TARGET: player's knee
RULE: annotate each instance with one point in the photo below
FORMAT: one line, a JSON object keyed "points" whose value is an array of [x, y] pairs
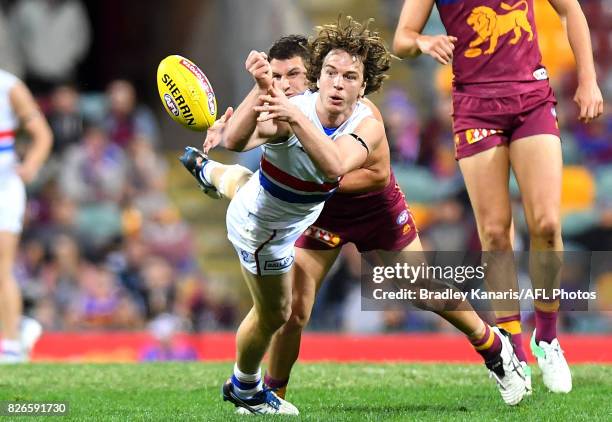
{"points": [[496, 237], [546, 227], [276, 318], [298, 320]]}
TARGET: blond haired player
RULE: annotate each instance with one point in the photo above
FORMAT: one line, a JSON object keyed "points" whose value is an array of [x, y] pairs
{"points": [[17, 109], [369, 196]]}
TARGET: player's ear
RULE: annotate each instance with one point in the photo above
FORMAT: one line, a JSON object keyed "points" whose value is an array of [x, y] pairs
{"points": [[362, 90], [318, 87]]}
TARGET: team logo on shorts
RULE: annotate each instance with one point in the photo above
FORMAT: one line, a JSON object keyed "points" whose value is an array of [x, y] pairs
{"points": [[246, 257], [279, 264], [327, 237], [402, 218]]}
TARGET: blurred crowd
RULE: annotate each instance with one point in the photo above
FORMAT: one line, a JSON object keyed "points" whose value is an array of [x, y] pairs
{"points": [[105, 248]]}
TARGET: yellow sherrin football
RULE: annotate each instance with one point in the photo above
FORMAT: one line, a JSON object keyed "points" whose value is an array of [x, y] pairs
{"points": [[186, 93]]}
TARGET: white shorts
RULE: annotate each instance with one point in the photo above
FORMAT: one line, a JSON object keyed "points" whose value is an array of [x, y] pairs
{"points": [[263, 229], [12, 202]]}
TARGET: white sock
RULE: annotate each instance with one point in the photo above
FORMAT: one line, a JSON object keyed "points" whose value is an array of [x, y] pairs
{"points": [[206, 173], [246, 385]]}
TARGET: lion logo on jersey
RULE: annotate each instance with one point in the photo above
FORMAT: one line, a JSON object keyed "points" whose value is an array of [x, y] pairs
{"points": [[489, 26]]}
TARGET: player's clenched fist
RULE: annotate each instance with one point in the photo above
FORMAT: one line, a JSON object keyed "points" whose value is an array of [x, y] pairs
{"points": [[258, 66], [589, 100], [440, 47]]}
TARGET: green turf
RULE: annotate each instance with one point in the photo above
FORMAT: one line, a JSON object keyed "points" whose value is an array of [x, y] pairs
{"points": [[322, 392]]}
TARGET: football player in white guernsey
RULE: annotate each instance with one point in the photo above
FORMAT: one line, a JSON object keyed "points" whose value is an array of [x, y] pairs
{"points": [[288, 58], [309, 142], [17, 110]]}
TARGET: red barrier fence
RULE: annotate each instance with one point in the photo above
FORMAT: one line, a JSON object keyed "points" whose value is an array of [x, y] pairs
{"points": [[129, 347]]}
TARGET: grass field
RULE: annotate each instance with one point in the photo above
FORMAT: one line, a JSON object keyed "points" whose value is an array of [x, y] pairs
{"points": [[322, 392]]}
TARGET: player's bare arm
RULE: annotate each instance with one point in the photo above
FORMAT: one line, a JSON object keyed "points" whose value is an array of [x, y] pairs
{"points": [[333, 158], [346, 153], [35, 124], [366, 179], [588, 96], [240, 130], [375, 172], [408, 40]]}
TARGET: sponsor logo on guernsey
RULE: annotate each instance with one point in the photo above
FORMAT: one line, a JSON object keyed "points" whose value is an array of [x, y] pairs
{"points": [[176, 95], [279, 264], [327, 237], [402, 218], [540, 74], [210, 95], [171, 104]]}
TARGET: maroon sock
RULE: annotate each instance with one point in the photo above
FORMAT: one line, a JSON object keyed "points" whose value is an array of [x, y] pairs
{"points": [[517, 342], [546, 326], [274, 383], [493, 349], [512, 324]]}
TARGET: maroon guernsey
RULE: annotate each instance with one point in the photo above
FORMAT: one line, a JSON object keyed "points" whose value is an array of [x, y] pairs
{"points": [[497, 44], [500, 89]]}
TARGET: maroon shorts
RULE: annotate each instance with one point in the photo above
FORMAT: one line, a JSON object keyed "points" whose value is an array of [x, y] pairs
{"points": [[372, 221], [481, 122]]}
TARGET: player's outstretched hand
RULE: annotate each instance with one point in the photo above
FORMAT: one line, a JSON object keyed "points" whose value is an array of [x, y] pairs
{"points": [[258, 66], [276, 106], [589, 100], [440, 47], [214, 134]]}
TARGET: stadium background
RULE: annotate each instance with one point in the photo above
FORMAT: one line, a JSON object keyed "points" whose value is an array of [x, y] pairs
{"points": [[121, 250]]}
